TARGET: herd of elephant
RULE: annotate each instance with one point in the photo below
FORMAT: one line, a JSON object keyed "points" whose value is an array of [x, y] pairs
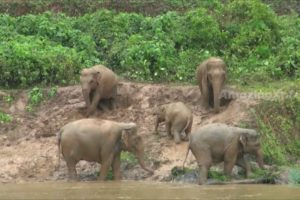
{"points": [[102, 141]]}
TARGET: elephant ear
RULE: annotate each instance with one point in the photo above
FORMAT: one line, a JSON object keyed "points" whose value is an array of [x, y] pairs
{"points": [[125, 141], [97, 76], [243, 139]]}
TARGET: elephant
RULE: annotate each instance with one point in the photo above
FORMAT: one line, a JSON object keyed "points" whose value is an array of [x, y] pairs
{"points": [[98, 83], [211, 76], [218, 142], [178, 118], [101, 141]]}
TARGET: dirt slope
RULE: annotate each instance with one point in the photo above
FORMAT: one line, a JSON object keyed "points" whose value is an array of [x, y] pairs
{"points": [[28, 145]]}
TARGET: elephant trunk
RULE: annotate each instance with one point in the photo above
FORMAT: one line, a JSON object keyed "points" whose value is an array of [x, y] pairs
{"points": [[86, 96], [259, 158], [140, 158], [216, 91]]}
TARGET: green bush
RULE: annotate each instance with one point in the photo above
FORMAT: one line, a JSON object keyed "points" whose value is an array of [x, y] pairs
{"points": [[278, 122], [5, 118], [256, 44], [29, 60]]}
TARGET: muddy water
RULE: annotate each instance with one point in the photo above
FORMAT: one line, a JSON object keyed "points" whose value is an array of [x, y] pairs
{"points": [[145, 190]]}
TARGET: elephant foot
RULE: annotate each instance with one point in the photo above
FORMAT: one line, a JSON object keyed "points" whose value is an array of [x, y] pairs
{"points": [[185, 138], [177, 140]]}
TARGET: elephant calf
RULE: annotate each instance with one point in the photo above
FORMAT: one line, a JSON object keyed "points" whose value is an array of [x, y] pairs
{"points": [[178, 118], [100, 141], [98, 83], [216, 142]]}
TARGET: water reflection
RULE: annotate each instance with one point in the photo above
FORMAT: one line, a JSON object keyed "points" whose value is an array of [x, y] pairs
{"points": [[144, 190]]}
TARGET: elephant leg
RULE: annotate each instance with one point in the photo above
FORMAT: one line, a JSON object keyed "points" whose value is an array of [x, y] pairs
{"points": [[157, 122], [203, 174], [245, 165], [116, 167], [92, 108], [104, 104], [204, 93], [71, 169], [112, 104], [113, 98], [105, 166], [176, 134], [210, 96], [229, 162], [188, 130], [204, 161], [168, 129]]}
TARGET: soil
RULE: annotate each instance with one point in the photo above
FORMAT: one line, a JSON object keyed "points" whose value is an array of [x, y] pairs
{"points": [[29, 145]]}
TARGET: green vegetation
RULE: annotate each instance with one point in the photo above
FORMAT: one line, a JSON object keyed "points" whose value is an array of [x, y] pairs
{"points": [[267, 176], [294, 176], [260, 47], [36, 95], [217, 175], [8, 99], [279, 123], [49, 48], [5, 118], [128, 157], [147, 7]]}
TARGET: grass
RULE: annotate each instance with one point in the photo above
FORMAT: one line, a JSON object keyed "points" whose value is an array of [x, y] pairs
{"points": [[5, 118]]}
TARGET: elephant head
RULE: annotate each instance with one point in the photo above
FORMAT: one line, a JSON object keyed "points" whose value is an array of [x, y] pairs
{"points": [[134, 143], [160, 113], [89, 80], [216, 77], [250, 142]]}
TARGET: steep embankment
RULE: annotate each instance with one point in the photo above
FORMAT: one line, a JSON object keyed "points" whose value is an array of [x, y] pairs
{"points": [[28, 144]]}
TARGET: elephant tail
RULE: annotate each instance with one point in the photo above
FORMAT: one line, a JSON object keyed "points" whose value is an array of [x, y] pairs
{"points": [[186, 155], [59, 148], [128, 126]]}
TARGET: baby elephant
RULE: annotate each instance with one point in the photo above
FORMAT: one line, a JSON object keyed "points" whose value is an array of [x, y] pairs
{"points": [[214, 143], [178, 118], [100, 141]]}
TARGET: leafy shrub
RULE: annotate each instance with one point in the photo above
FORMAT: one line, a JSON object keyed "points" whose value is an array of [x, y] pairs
{"points": [[35, 96], [29, 60], [151, 59], [278, 122], [256, 44], [58, 28], [288, 59], [202, 30], [5, 118]]}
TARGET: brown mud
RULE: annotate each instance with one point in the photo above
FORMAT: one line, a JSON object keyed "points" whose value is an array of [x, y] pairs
{"points": [[28, 144]]}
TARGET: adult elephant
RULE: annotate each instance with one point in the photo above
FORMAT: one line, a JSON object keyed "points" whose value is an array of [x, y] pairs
{"points": [[217, 142], [211, 76], [98, 82], [100, 141]]}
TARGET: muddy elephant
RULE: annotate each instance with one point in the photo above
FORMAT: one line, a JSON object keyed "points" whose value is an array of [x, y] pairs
{"points": [[178, 118], [216, 142], [211, 76], [98, 83], [100, 141]]}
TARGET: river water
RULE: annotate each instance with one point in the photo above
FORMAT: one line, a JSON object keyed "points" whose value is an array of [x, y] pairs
{"points": [[145, 190]]}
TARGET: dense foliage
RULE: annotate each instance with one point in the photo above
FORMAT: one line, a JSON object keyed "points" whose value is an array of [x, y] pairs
{"points": [[279, 123], [49, 48]]}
